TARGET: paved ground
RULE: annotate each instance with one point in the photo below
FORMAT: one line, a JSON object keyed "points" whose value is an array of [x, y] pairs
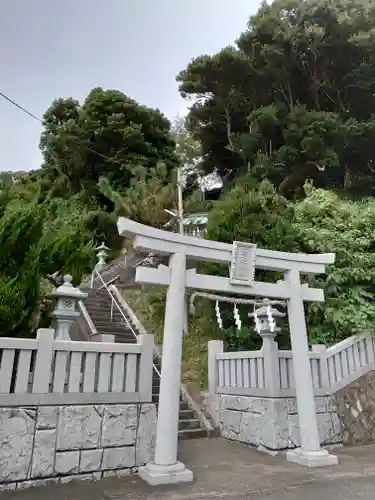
{"points": [[231, 471]]}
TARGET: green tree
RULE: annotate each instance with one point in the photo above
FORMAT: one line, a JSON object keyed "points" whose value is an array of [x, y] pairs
{"points": [[293, 99], [321, 222], [108, 135], [37, 239]]}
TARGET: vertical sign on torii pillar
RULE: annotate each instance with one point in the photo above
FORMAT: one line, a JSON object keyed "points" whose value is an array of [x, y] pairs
{"points": [[182, 249]]}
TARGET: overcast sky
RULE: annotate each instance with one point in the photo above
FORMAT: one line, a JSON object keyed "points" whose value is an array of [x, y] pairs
{"points": [[61, 48]]}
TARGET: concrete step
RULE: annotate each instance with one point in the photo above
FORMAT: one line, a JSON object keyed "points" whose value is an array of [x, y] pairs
{"points": [[117, 329], [117, 322], [113, 326], [99, 306], [186, 414], [189, 424], [119, 339], [121, 332], [104, 318], [107, 317], [104, 308], [98, 297], [192, 434]]}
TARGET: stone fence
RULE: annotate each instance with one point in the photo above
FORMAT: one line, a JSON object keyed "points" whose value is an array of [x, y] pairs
{"points": [[251, 394], [74, 410], [269, 371], [44, 371]]}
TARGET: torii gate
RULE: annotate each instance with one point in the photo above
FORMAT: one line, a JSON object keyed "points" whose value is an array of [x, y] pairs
{"points": [[244, 257]]}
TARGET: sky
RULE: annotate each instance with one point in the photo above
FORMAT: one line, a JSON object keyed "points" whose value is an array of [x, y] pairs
{"points": [[61, 48]]}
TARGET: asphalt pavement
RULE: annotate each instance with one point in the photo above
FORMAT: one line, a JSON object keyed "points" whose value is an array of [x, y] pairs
{"points": [[231, 471]]}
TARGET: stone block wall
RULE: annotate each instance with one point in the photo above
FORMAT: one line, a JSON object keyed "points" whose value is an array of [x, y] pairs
{"points": [[356, 411], [269, 423], [59, 444]]}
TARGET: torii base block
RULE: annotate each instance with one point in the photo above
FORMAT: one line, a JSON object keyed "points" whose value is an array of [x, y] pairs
{"points": [[165, 474], [319, 458]]}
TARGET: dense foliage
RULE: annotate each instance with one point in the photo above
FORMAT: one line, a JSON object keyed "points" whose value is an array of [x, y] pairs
{"points": [[293, 99], [109, 156], [321, 222], [37, 239], [108, 135]]}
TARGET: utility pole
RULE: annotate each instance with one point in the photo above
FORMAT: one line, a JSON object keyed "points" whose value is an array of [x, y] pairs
{"points": [[180, 202], [180, 217]]}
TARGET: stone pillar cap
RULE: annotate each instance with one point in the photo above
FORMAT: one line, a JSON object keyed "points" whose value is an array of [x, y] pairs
{"points": [[67, 290]]}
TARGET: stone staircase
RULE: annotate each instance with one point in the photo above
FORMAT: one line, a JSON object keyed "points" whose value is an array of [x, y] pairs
{"points": [[109, 320]]}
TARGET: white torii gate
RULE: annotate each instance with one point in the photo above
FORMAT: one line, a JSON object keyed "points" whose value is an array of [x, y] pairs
{"points": [[183, 250]]}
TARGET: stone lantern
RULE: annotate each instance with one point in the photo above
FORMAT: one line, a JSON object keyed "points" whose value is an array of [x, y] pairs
{"points": [[101, 255], [265, 322], [66, 312], [265, 325]]}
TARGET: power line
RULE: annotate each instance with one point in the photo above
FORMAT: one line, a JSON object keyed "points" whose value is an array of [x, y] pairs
{"points": [[41, 121], [20, 107]]}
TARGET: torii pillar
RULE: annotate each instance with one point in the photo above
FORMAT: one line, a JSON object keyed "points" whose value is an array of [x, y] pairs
{"points": [[166, 469]]}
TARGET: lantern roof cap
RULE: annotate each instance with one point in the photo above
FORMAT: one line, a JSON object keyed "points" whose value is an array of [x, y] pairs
{"points": [[264, 309], [67, 290]]}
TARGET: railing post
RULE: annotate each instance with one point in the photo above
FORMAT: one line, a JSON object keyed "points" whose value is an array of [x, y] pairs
{"points": [[270, 351], [43, 361], [324, 376], [214, 347], [146, 365], [108, 338]]}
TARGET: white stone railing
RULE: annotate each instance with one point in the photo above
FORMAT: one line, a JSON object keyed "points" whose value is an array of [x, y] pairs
{"points": [[44, 371], [269, 371]]}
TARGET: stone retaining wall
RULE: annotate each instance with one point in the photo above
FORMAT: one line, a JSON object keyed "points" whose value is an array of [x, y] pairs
{"points": [[269, 423], [58, 444], [356, 411]]}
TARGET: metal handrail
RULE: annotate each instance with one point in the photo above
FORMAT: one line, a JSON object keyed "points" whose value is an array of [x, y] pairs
{"points": [[87, 318], [114, 301]]}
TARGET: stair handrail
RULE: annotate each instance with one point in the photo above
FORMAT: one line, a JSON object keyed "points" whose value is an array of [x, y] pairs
{"points": [[87, 318], [114, 301], [133, 318]]}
